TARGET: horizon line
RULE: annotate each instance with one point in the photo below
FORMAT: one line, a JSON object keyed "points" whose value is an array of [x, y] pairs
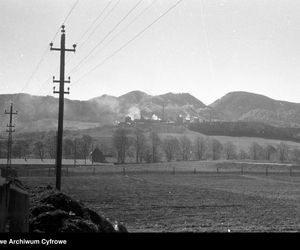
{"points": [[170, 92]]}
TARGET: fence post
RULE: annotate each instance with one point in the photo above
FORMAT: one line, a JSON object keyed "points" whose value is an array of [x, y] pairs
{"points": [[290, 171], [67, 171], [49, 171], [27, 170], [267, 171]]}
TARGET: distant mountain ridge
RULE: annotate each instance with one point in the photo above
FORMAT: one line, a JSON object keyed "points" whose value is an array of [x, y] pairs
{"points": [[38, 113], [245, 106]]}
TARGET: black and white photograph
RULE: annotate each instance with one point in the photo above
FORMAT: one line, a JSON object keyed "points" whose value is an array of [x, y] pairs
{"points": [[148, 116]]}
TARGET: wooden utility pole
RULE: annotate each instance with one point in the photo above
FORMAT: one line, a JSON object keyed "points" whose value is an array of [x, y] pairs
{"points": [[61, 93], [10, 129]]}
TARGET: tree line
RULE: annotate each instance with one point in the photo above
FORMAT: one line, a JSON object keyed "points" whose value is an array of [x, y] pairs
{"points": [[43, 146], [136, 145], [152, 148]]}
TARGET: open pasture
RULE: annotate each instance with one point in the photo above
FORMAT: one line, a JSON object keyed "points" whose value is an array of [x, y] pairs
{"points": [[201, 201], [104, 135]]}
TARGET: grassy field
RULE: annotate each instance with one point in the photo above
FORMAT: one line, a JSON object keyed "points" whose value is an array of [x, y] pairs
{"points": [[240, 142], [104, 135], [149, 200]]}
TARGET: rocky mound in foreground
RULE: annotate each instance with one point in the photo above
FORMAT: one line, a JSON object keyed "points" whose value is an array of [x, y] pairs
{"points": [[52, 211]]}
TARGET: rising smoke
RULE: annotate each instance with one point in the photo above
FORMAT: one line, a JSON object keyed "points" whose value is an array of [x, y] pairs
{"points": [[134, 113]]}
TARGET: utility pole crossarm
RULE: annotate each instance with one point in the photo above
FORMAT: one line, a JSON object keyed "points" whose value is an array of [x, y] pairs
{"points": [[10, 128], [58, 81], [51, 48], [54, 91], [13, 113], [55, 81], [58, 49], [71, 50]]}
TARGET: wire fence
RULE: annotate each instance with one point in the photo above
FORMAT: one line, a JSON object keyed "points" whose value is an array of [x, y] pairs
{"points": [[168, 168]]}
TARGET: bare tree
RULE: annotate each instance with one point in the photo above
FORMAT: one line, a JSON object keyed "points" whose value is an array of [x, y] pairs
{"points": [[296, 155], [147, 154], [243, 155], [50, 144], [230, 150], [39, 149], [171, 147], [200, 148], [216, 149], [139, 144], [20, 149], [283, 151], [17, 149], [269, 151], [85, 144], [185, 147], [104, 147], [121, 143], [68, 147], [255, 151], [3, 148], [155, 143]]}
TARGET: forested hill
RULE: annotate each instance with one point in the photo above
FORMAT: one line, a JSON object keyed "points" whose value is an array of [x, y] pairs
{"points": [[245, 106], [246, 129], [39, 113]]}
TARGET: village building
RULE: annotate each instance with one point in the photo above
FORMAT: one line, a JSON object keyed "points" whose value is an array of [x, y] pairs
{"points": [[98, 156]]}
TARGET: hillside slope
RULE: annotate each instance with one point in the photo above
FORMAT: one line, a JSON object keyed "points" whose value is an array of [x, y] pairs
{"points": [[38, 113], [246, 106]]}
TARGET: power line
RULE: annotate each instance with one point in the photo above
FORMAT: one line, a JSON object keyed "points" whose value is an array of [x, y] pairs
{"points": [[111, 31], [129, 24], [136, 18], [93, 31], [70, 12], [35, 69], [96, 27], [44, 82], [129, 41], [95, 20], [50, 77], [103, 39], [47, 50], [64, 21]]}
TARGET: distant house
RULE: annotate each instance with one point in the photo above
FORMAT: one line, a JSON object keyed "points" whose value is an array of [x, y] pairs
{"points": [[98, 156]]}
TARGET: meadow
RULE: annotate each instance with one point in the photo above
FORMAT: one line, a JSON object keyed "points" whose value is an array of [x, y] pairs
{"points": [[196, 197], [104, 135]]}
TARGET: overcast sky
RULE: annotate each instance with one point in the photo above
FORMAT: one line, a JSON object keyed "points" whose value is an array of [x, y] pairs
{"points": [[207, 48]]}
